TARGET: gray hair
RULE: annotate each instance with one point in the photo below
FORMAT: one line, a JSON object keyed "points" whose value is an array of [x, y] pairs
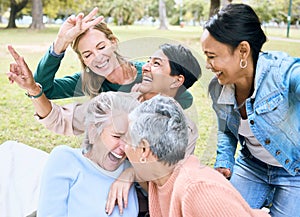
{"points": [[162, 123], [104, 107]]}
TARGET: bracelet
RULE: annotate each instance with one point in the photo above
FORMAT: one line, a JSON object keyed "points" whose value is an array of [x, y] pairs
{"points": [[38, 95], [61, 55]]}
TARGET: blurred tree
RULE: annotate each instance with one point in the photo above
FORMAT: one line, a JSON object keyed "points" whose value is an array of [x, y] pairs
{"points": [[194, 10], [37, 15], [4, 5], [162, 15], [15, 7], [214, 6], [276, 11], [126, 12]]}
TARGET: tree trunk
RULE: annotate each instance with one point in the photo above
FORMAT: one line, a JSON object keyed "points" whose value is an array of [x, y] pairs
{"points": [[162, 15], [14, 9], [37, 15], [214, 7]]}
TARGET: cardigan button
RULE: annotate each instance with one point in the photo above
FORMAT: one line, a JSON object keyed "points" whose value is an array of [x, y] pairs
{"points": [[267, 142]]}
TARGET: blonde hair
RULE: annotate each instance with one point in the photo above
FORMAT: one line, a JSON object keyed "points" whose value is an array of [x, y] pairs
{"points": [[91, 82]]}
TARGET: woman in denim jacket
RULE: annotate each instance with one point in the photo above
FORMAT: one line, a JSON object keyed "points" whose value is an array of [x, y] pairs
{"points": [[256, 97]]}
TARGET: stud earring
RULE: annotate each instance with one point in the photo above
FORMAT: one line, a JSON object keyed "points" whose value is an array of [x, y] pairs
{"points": [[143, 160]]}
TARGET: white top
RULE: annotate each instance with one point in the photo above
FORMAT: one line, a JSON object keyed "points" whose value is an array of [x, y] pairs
{"points": [[21, 167], [255, 148]]}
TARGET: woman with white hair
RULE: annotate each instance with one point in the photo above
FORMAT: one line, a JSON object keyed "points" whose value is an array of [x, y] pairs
{"points": [[76, 181]]}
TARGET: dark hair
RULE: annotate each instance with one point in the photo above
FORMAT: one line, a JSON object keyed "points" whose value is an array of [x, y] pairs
{"points": [[236, 23], [182, 62]]}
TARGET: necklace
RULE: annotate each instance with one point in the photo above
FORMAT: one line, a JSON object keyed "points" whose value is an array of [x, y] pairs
{"points": [[241, 105]]}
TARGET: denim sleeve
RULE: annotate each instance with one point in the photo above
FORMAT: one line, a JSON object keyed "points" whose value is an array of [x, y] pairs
{"points": [[226, 146], [56, 88], [295, 79], [227, 142]]}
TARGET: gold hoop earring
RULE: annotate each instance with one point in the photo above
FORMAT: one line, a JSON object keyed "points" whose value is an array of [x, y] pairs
{"points": [[143, 160], [243, 64]]}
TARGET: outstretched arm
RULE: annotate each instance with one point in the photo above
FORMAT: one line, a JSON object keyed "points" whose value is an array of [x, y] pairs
{"points": [[66, 120]]}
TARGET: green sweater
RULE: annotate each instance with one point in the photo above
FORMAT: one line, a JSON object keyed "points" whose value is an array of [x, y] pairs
{"points": [[71, 86]]}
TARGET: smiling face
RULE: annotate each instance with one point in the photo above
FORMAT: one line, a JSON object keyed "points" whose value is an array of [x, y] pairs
{"points": [[97, 52], [156, 74], [221, 59], [108, 149]]}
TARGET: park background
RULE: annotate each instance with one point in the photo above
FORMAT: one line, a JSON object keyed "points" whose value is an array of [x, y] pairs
{"points": [[16, 110]]}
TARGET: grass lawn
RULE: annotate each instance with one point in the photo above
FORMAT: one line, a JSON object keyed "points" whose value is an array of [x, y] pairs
{"points": [[137, 42]]}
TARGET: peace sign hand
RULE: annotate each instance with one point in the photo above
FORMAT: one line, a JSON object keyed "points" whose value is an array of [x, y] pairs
{"points": [[73, 27], [21, 74]]}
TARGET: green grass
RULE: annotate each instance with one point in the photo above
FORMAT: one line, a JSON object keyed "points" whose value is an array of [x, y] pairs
{"points": [[16, 111]]}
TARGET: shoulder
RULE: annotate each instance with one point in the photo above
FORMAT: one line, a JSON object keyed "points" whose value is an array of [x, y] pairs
{"points": [[275, 65], [64, 152], [65, 160], [277, 59], [185, 99]]}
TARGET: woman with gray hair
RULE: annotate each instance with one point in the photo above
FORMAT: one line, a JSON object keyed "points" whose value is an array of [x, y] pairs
{"points": [[156, 141], [76, 182]]}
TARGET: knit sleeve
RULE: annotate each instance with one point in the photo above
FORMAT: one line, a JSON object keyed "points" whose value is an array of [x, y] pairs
{"points": [[65, 120], [59, 175], [213, 200]]}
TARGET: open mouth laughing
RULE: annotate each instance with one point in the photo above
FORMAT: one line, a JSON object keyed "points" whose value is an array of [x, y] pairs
{"points": [[147, 79], [105, 63], [218, 74], [115, 157]]}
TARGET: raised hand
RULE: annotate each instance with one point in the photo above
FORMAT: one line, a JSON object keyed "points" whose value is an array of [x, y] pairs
{"points": [[73, 27], [21, 74]]}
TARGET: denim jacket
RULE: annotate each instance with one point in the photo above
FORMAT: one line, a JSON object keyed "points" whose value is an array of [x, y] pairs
{"points": [[273, 112]]}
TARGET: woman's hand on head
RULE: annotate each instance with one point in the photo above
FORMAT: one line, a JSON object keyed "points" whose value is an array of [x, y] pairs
{"points": [[224, 171], [20, 73], [118, 194], [73, 27]]}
